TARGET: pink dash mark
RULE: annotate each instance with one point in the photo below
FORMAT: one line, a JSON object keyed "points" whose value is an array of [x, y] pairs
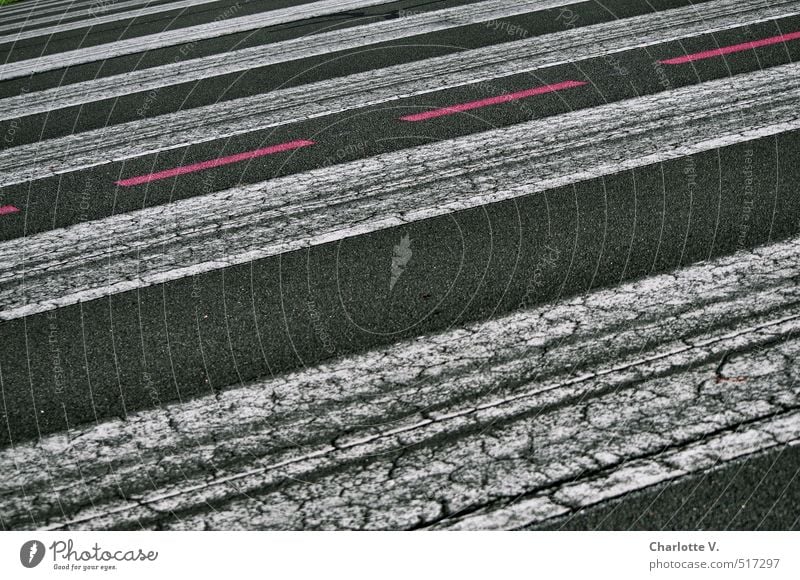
{"points": [[7, 209], [215, 162], [492, 101], [731, 49]]}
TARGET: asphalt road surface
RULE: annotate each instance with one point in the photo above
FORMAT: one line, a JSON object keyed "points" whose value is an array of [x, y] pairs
{"points": [[363, 264]]}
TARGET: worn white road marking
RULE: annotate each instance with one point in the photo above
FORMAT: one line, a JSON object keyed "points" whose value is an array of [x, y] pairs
{"points": [[587, 391], [207, 232], [94, 12], [259, 56], [181, 36], [222, 120]]}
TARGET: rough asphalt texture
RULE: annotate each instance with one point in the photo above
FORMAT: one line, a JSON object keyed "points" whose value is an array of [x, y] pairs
{"points": [[576, 310]]}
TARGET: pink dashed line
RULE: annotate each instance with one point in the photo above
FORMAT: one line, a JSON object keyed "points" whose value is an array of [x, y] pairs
{"points": [[731, 49], [7, 209], [492, 101], [215, 162]]}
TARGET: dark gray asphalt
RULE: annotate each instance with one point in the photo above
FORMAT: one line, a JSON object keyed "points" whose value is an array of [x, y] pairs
{"points": [[643, 78], [203, 14], [760, 493], [238, 323], [61, 201], [194, 336], [102, 33]]}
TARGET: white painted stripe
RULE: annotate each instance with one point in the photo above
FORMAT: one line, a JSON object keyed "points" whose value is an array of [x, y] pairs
{"points": [[259, 56], [703, 456], [96, 17], [181, 36], [204, 233], [26, 10], [36, 5], [617, 417], [63, 11], [222, 120]]}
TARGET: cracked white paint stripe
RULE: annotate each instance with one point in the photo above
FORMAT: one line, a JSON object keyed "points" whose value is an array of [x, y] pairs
{"points": [[36, 6], [705, 455], [95, 18], [284, 106], [531, 423], [207, 232], [181, 36], [259, 56]]}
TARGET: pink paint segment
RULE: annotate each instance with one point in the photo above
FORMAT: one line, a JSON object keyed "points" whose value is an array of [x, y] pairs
{"points": [[492, 101], [6, 209], [731, 49], [215, 162]]}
